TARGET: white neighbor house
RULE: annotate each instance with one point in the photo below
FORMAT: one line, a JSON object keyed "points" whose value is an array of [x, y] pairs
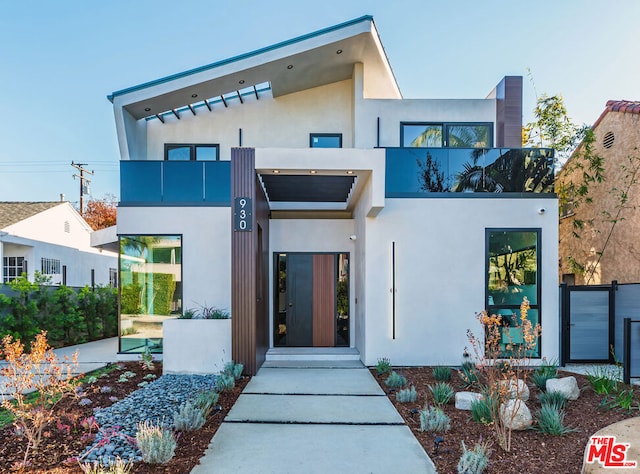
{"points": [[295, 187], [53, 239]]}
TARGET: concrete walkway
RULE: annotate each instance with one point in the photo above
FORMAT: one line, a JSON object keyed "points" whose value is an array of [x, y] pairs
{"points": [[91, 356], [314, 420]]}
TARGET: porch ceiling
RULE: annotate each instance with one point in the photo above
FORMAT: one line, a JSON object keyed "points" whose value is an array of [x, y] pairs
{"points": [[301, 188]]}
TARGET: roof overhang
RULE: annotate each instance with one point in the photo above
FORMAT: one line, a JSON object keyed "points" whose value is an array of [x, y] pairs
{"points": [[323, 57]]}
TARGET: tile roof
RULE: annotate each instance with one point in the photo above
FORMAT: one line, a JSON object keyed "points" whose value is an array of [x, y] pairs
{"points": [[12, 212], [624, 106]]}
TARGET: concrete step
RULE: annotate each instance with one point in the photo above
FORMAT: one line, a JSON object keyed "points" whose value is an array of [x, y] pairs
{"points": [[313, 354]]}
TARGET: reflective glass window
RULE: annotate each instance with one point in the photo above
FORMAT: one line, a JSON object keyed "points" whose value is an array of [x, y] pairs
{"points": [[325, 140]]}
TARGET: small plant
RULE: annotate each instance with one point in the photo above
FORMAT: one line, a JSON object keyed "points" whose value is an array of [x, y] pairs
{"points": [[39, 371], [482, 409], [91, 379], [442, 373], [125, 376], [212, 312], [383, 366], [232, 369], [442, 393], [434, 420], [156, 443], [395, 380], [206, 401], [150, 377], [113, 399], [551, 421], [143, 384], [189, 314], [468, 373], [225, 382], [118, 467], [622, 399], [188, 417], [105, 389], [85, 402], [603, 380], [474, 461], [548, 370], [555, 399], [407, 395], [146, 359]]}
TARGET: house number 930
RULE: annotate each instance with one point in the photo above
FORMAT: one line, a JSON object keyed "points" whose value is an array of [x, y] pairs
{"points": [[242, 214]]}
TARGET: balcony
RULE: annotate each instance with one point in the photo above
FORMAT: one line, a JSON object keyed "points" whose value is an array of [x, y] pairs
{"points": [[175, 183], [440, 172]]}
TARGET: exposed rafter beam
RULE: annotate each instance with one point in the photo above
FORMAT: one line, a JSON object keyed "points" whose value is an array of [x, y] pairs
{"points": [[191, 109], [255, 91], [206, 102], [175, 112], [160, 118], [224, 101], [240, 97]]}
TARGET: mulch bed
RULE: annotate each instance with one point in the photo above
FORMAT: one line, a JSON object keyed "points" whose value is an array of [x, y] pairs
{"points": [[66, 438], [531, 450]]}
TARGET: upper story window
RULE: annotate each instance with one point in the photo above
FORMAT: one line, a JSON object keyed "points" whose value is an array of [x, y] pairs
{"points": [[325, 140], [451, 135], [190, 152]]}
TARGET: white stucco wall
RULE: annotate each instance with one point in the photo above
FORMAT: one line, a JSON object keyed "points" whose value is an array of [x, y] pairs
{"points": [[284, 122], [440, 271], [206, 247]]}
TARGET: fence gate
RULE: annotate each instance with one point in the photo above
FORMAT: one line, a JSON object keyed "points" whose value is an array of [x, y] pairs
{"points": [[588, 323]]}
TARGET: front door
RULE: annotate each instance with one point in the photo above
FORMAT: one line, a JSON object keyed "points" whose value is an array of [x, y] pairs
{"points": [[311, 300]]}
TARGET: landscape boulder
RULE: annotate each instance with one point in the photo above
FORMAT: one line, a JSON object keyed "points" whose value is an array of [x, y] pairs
{"points": [[566, 386], [515, 415], [465, 399], [516, 389]]}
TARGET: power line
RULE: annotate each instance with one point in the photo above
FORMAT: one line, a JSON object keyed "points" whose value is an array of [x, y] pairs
{"points": [[84, 182]]}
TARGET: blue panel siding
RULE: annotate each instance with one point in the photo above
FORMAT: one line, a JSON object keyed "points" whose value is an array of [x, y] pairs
{"points": [[175, 183]]}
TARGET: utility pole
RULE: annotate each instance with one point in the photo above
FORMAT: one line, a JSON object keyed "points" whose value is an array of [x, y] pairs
{"points": [[84, 182]]}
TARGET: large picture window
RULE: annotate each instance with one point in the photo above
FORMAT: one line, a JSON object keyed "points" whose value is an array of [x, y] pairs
{"points": [[150, 289], [451, 135], [12, 268], [513, 263]]}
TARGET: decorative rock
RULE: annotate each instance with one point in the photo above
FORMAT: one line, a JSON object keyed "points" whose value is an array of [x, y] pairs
{"points": [[516, 389], [464, 399], [515, 414], [566, 386]]}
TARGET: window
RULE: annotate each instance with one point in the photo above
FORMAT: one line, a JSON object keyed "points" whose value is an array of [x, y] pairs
{"points": [[49, 266], [452, 135], [150, 288], [188, 152], [513, 263], [12, 268], [113, 277], [325, 140]]}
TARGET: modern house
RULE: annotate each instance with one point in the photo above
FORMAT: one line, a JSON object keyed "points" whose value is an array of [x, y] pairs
{"points": [[53, 239], [613, 215], [295, 187]]}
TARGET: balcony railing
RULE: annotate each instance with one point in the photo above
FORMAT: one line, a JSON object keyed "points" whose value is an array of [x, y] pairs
{"points": [[423, 172], [175, 183]]}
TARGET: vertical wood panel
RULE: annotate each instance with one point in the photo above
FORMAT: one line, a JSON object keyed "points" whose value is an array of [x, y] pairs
{"points": [[324, 300]]}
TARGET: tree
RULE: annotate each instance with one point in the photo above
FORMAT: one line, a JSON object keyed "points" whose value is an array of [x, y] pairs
{"points": [[101, 213]]}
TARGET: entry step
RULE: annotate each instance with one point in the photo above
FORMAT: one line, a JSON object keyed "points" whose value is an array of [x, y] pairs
{"points": [[309, 354]]}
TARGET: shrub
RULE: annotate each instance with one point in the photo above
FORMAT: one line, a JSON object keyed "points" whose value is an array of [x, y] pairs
{"points": [[225, 382], [555, 399], [468, 373], [482, 409], [474, 461], [188, 417], [212, 312], [442, 373], [146, 359], [543, 373], [434, 420], [206, 401], [442, 393], [156, 443], [40, 371], [232, 369], [551, 421], [395, 380], [407, 395], [383, 366]]}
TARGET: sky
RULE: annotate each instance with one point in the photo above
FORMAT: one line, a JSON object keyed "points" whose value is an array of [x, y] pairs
{"points": [[60, 59]]}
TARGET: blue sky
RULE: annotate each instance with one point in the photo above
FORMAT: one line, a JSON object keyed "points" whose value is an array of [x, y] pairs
{"points": [[61, 59]]}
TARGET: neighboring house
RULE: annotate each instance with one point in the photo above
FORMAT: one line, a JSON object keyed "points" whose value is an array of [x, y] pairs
{"points": [[617, 139], [295, 187], [53, 239]]}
